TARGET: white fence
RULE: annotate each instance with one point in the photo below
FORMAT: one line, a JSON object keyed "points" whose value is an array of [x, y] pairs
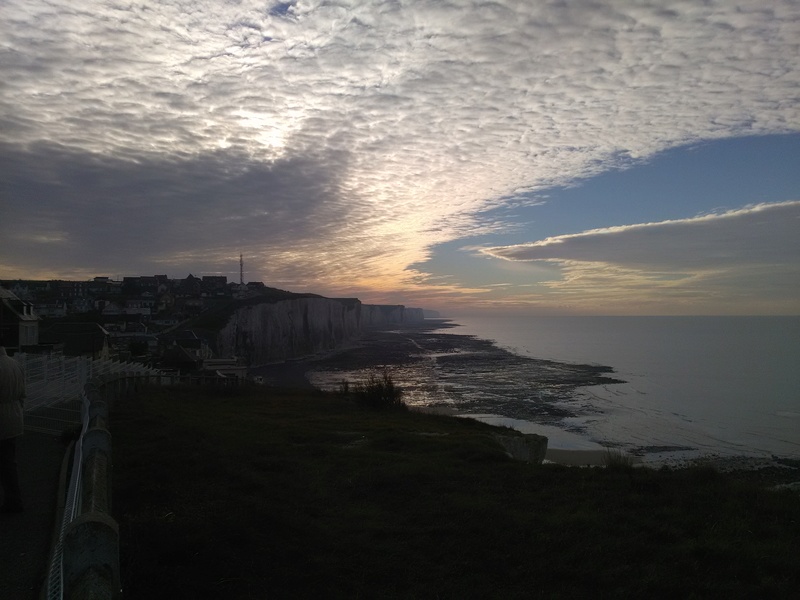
{"points": [[70, 393], [51, 379], [54, 384]]}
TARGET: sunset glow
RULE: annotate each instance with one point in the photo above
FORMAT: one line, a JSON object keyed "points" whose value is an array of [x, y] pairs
{"points": [[581, 158]]}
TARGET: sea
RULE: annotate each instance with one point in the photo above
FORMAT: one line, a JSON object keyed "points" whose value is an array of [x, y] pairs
{"points": [[690, 386], [693, 385]]}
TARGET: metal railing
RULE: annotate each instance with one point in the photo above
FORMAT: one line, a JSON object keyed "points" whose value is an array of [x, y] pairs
{"points": [[54, 385], [71, 393], [54, 378], [84, 561], [58, 398]]}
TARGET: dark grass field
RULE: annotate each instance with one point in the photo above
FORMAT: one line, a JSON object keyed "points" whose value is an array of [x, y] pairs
{"points": [[267, 494]]}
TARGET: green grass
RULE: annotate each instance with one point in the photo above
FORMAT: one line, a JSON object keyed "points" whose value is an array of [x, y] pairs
{"points": [[260, 494]]}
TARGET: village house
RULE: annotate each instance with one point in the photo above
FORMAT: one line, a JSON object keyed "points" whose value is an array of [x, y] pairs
{"points": [[77, 339], [19, 325]]}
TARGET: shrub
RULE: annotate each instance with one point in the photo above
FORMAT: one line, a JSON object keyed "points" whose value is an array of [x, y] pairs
{"points": [[378, 391], [616, 459]]}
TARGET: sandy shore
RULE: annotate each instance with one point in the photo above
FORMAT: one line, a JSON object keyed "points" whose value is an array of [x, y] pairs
{"points": [[576, 458], [408, 346]]}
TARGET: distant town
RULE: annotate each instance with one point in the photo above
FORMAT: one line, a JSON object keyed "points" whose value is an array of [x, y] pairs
{"points": [[144, 319]]}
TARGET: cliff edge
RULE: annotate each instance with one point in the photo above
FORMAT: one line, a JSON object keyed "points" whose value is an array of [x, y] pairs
{"points": [[267, 332]]}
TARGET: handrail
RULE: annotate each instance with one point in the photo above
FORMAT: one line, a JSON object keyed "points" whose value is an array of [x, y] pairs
{"points": [[85, 557]]}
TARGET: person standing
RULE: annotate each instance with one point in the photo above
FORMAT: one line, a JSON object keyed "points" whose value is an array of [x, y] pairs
{"points": [[12, 398]]}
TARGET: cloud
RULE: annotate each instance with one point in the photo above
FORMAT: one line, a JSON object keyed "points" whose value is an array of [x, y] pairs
{"points": [[383, 129], [109, 214], [749, 253], [763, 234]]}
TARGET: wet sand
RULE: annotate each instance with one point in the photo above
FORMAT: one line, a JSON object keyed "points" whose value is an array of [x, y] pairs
{"points": [[408, 349], [436, 366], [576, 458]]}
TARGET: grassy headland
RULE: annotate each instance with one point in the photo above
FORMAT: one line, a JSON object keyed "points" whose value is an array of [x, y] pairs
{"points": [[270, 494]]}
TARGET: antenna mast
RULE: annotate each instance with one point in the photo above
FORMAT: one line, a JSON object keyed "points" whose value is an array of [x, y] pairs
{"points": [[241, 270]]}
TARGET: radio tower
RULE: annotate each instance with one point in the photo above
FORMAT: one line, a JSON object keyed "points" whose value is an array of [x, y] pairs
{"points": [[241, 270]]}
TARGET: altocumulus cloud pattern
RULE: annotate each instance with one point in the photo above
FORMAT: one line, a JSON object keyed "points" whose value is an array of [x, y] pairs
{"points": [[337, 143]]}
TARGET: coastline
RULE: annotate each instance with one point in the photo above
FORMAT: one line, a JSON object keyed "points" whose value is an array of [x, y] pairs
{"points": [[410, 351], [577, 458]]}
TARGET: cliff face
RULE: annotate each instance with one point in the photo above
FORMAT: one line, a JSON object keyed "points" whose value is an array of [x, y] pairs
{"points": [[270, 332], [414, 315], [374, 316]]}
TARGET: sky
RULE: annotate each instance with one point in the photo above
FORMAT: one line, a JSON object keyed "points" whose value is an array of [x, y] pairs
{"points": [[532, 157]]}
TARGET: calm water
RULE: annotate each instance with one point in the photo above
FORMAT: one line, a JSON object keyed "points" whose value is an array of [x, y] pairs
{"points": [[695, 385]]}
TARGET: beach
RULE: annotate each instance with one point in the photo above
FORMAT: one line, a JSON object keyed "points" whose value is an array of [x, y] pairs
{"points": [[433, 363], [410, 349]]}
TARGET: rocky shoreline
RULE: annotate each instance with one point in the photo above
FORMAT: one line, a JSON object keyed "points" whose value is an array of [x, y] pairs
{"points": [[414, 354], [431, 362]]}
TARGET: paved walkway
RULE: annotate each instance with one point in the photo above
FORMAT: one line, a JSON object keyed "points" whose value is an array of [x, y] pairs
{"points": [[25, 538]]}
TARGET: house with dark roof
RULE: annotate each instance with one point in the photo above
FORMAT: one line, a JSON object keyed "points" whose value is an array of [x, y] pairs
{"points": [[19, 325], [190, 287], [180, 358], [77, 339], [214, 285], [184, 350]]}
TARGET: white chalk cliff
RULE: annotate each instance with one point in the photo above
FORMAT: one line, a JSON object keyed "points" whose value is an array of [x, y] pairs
{"points": [[378, 315], [274, 331]]}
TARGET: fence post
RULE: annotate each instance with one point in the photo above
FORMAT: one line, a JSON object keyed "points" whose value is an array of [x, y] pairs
{"points": [[91, 558], [91, 540], [86, 567]]}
